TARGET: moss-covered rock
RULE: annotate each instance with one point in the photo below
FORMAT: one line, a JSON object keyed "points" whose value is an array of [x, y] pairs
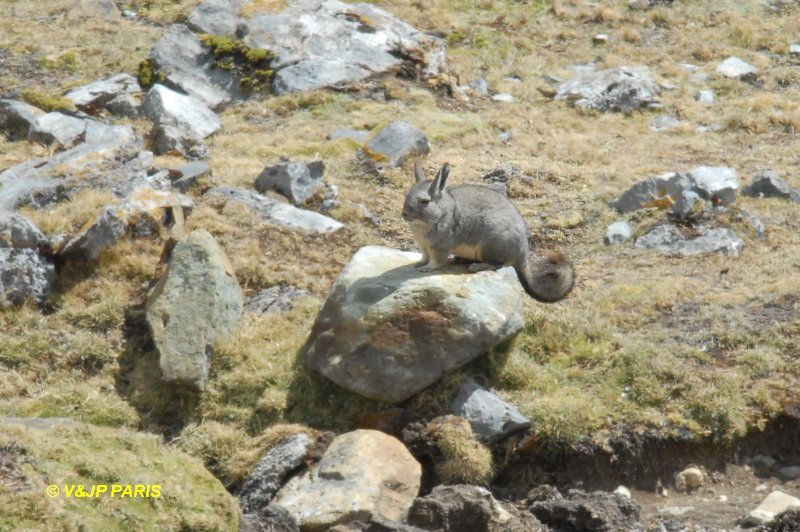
{"points": [[41, 453]]}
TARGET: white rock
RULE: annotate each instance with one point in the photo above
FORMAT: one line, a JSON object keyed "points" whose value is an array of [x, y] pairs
{"points": [[705, 96], [503, 97], [733, 67], [623, 491]]}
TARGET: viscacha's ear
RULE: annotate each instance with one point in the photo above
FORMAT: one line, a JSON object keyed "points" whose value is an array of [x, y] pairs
{"points": [[419, 173], [444, 173]]}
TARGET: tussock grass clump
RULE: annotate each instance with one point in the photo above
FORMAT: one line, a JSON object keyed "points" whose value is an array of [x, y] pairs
{"points": [[464, 459]]}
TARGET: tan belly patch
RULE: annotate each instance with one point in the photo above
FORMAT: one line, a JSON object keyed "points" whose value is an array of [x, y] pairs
{"points": [[468, 252]]}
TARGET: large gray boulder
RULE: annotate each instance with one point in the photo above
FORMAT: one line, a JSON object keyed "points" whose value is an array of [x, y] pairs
{"points": [[16, 118], [621, 89], [774, 504], [272, 471], [395, 144], [277, 212], [195, 303], [363, 473], [328, 43], [115, 162], [180, 122], [298, 181], [490, 417], [92, 98], [387, 331], [668, 239], [189, 65]]}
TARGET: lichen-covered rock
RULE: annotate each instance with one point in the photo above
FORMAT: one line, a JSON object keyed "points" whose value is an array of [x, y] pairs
{"points": [[588, 511], [273, 300], [271, 471], [328, 43], [189, 65], [24, 274], [387, 331], [196, 302], [181, 493], [279, 213], [180, 122], [621, 89], [395, 144], [18, 232], [363, 473]]}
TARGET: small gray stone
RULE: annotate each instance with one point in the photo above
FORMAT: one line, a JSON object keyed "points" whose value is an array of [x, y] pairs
{"points": [[689, 67], [705, 96], [93, 97], [396, 143], [297, 181], [664, 122], [685, 203], [17, 118], [789, 473], [24, 274], [180, 122], [271, 472], [502, 97], [794, 49], [491, 418], [618, 233], [733, 67], [105, 231], [763, 461], [756, 223], [770, 185], [57, 128], [277, 212]]}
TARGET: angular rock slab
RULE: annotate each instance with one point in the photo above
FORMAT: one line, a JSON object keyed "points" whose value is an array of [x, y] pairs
{"points": [[93, 97], [621, 89], [490, 417], [770, 185], [774, 504], [395, 143], [196, 302], [327, 43], [216, 17], [733, 67], [18, 232], [16, 118], [363, 473], [110, 157], [181, 122], [667, 239], [273, 468], [189, 66], [58, 128], [282, 214], [388, 331]]}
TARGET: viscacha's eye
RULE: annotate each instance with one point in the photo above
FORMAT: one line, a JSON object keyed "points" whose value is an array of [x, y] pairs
{"points": [[424, 201]]}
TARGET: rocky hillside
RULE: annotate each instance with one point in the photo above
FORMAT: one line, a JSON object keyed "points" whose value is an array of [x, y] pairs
{"points": [[207, 286]]}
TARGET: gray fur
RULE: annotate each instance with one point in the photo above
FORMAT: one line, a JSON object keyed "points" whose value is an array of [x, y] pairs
{"points": [[477, 223]]}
